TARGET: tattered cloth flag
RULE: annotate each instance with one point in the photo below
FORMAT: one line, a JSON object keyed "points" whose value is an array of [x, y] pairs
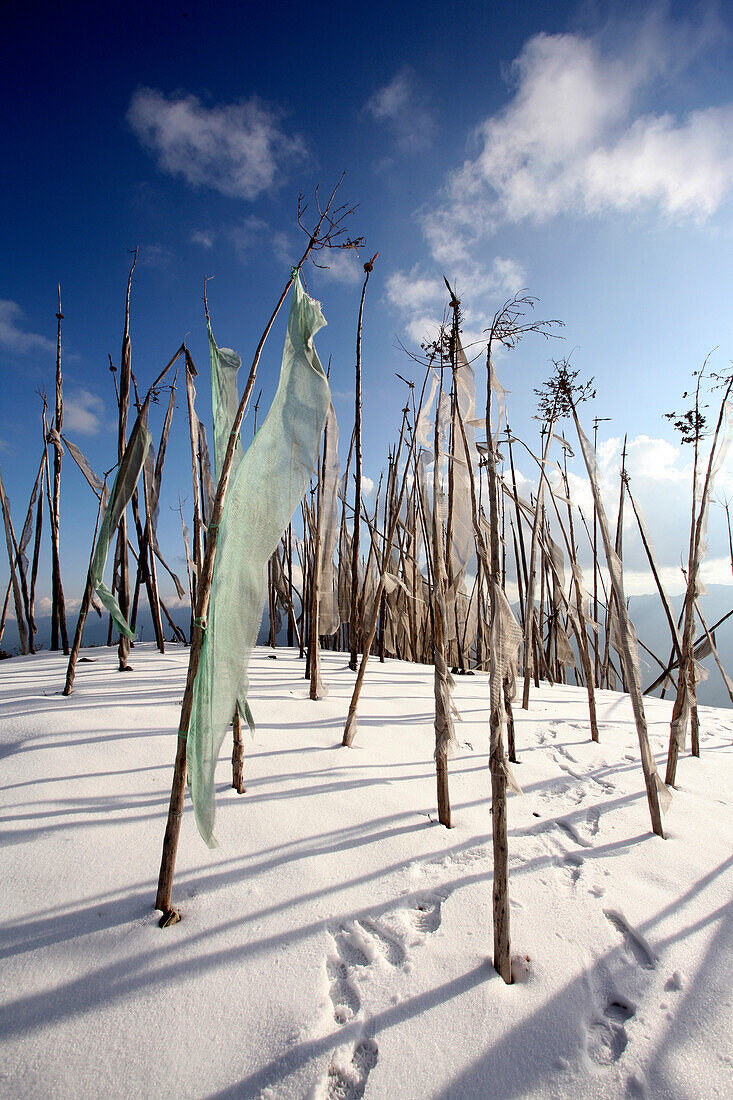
{"points": [[262, 496], [225, 364], [124, 485]]}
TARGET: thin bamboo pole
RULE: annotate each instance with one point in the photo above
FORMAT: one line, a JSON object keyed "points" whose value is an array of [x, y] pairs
{"points": [[531, 573], [83, 608], [497, 752], [58, 608], [350, 727], [651, 778], [175, 808], [237, 754], [17, 597], [354, 603], [685, 700], [123, 591]]}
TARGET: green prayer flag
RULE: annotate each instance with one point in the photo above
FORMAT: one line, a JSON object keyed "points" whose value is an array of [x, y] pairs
{"points": [[124, 485], [262, 495], [225, 364]]}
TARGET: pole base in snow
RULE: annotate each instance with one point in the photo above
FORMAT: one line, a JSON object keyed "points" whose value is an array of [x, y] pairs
{"points": [[349, 731], [171, 916]]}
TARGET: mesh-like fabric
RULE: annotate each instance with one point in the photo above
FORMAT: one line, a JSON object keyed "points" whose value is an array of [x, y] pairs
{"points": [[461, 549], [626, 638], [84, 465], [506, 638], [157, 478], [704, 486], [225, 364], [344, 573], [329, 618], [424, 424], [124, 486], [207, 482], [711, 642], [267, 488], [25, 535], [19, 617]]}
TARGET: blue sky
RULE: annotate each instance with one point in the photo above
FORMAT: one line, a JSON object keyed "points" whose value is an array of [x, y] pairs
{"points": [[584, 152]]}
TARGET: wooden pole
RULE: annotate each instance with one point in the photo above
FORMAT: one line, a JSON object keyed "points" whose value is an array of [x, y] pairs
{"points": [[440, 671], [123, 591], [17, 598], [58, 610], [237, 754], [651, 778], [350, 727], [354, 612], [529, 662], [314, 648], [175, 807], [497, 754], [83, 608]]}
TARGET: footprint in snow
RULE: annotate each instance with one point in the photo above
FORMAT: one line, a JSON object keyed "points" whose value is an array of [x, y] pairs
{"points": [[387, 943], [357, 946], [425, 916], [567, 769], [347, 1078], [569, 829], [352, 947], [572, 867], [674, 984], [344, 997], [636, 946], [607, 1037]]}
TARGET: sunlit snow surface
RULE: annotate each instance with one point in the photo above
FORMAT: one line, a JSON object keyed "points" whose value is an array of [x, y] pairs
{"points": [[338, 943]]}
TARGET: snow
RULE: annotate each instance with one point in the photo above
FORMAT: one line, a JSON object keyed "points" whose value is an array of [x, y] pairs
{"points": [[338, 942]]}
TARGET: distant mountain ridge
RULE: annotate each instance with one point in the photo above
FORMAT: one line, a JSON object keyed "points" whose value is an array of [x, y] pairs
{"points": [[646, 614]]}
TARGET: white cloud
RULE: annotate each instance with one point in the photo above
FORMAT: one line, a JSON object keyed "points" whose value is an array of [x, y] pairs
{"points": [[155, 255], [204, 237], [239, 149], [283, 247], [507, 277], [421, 298], [412, 291], [423, 328], [401, 105], [575, 139], [660, 479], [248, 234], [340, 265], [640, 583], [83, 413], [13, 338]]}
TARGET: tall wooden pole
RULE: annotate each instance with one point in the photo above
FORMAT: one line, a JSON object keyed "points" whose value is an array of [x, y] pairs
{"points": [[651, 779], [123, 592], [175, 807], [497, 752], [354, 605], [58, 609], [441, 686], [370, 632]]}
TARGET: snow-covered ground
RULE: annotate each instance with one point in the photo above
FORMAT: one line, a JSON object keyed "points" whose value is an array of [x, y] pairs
{"points": [[338, 943]]}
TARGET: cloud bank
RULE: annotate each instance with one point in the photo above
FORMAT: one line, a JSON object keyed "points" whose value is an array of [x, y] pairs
{"points": [[400, 105], [239, 149], [83, 413], [12, 336], [575, 139]]}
